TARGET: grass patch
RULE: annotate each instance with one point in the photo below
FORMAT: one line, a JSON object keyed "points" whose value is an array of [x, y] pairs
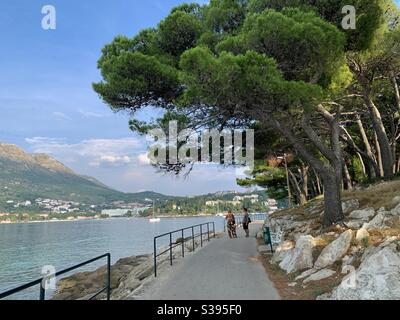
{"points": [[376, 196]]}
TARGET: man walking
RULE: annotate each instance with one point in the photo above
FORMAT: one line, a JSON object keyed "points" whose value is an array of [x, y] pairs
{"points": [[246, 221]]}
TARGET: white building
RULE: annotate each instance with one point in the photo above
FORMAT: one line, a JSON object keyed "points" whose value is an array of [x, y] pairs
{"points": [[115, 212]]}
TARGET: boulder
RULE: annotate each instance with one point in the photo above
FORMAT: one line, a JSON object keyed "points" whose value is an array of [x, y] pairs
{"points": [[364, 214], [377, 278], [306, 274], [300, 257], [362, 235], [354, 224], [377, 222], [396, 200], [350, 205], [335, 250], [347, 260], [395, 211], [321, 274], [282, 251]]}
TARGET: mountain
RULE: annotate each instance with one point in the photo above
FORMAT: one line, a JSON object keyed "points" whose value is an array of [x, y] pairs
{"points": [[25, 176]]}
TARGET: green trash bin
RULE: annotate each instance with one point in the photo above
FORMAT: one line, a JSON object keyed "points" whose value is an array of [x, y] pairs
{"points": [[267, 237]]}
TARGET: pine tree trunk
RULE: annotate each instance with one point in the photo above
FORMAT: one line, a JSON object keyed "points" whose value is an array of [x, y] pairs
{"points": [[373, 166], [378, 154], [346, 177], [332, 199], [383, 140]]}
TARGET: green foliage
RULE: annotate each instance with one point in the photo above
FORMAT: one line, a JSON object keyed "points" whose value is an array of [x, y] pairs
{"points": [[179, 32], [369, 15], [226, 80], [225, 15], [303, 44], [132, 80]]}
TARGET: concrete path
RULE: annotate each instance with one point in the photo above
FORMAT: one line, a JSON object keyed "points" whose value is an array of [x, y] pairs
{"points": [[226, 269]]}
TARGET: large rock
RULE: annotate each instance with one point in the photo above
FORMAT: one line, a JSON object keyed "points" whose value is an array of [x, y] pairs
{"points": [[364, 214], [306, 274], [300, 257], [395, 211], [350, 205], [355, 224], [282, 251], [377, 278], [321, 274], [335, 250], [377, 222], [396, 200]]}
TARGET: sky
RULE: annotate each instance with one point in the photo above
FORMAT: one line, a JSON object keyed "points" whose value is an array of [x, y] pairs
{"points": [[47, 103]]}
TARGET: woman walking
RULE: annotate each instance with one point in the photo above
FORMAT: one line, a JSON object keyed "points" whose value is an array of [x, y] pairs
{"points": [[231, 224], [246, 221]]}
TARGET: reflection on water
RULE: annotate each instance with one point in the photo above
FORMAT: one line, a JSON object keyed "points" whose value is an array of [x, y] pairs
{"points": [[25, 248]]}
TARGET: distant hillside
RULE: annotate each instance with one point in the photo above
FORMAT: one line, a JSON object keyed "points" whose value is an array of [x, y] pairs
{"points": [[25, 176]]}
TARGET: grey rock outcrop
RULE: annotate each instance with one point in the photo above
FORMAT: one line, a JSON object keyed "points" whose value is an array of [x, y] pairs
{"points": [[300, 257], [319, 275], [363, 214], [377, 278], [335, 250]]}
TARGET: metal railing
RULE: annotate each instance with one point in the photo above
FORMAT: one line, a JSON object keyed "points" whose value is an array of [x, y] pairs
{"points": [[42, 281], [181, 232]]}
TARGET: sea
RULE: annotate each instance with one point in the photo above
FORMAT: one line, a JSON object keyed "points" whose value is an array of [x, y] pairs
{"points": [[28, 250]]}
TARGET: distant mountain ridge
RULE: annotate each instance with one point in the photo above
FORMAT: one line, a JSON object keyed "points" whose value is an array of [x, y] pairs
{"points": [[25, 176]]}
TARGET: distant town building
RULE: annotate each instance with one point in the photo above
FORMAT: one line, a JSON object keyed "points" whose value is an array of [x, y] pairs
{"points": [[113, 213]]}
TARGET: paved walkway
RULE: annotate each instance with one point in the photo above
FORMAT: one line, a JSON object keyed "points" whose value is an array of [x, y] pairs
{"points": [[226, 269]]}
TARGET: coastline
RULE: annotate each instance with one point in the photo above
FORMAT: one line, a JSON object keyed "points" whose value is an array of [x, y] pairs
{"points": [[131, 277], [100, 219]]}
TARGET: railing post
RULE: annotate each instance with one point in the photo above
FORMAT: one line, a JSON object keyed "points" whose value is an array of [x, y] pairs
{"points": [[201, 235], [213, 229], [155, 257], [170, 248], [208, 232], [183, 245], [194, 247], [108, 276], [42, 293]]}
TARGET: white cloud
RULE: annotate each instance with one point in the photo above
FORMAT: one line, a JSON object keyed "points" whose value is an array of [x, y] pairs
{"points": [[95, 152], [61, 116], [143, 158], [90, 114]]}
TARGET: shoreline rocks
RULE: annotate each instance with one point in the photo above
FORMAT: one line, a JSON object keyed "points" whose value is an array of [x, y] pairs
{"points": [[365, 256]]}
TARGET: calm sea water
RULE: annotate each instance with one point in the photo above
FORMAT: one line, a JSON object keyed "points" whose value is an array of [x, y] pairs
{"points": [[25, 248]]}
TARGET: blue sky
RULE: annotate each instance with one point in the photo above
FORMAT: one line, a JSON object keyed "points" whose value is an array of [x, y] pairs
{"points": [[47, 103]]}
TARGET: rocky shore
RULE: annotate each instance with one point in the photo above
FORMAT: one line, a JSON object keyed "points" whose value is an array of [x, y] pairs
{"points": [[130, 276], [362, 254]]}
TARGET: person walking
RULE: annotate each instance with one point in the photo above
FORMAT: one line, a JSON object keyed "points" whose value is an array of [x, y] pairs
{"points": [[246, 222], [231, 225]]}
